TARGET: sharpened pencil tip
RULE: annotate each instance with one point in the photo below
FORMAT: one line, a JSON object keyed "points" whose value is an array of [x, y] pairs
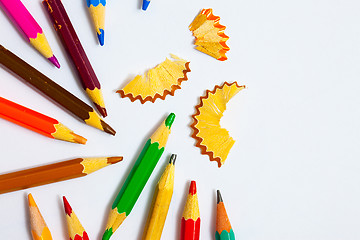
{"points": [[107, 128], [172, 159], [145, 5], [192, 188], [101, 36], [219, 197], [78, 138], [113, 160], [101, 110], [67, 207], [54, 61], [169, 120], [31, 200]]}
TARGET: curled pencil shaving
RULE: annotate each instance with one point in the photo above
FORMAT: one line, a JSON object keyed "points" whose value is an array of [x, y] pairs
{"points": [[211, 138], [158, 82], [209, 34]]}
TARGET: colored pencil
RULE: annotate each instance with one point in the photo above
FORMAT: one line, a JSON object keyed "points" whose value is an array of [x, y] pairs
{"points": [[76, 230], [145, 4], [138, 176], [190, 221], [31, 29], [51, 173], [39, 229], [37, 122], [97, 12], [161, 202], [53, 90], [71, 42], [223, 227]]}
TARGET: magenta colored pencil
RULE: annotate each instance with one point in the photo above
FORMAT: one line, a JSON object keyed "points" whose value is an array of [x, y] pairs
{"points": [[31, 29]]}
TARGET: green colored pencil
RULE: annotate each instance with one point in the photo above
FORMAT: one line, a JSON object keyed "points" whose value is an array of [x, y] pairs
{"points": [[139, 175]]}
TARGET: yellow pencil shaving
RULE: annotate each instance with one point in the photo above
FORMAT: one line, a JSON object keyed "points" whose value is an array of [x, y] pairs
{"points": [[211, 138], [209, 35], [158, 82]]}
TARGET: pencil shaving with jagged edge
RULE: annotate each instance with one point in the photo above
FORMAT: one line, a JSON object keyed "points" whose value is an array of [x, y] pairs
{"points": [[209, 35], [211, 138], [158, 82]]}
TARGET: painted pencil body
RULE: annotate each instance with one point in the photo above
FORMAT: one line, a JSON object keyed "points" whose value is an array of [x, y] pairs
{"points": [[190, 221], [224, 230], [37, 122], [70, 40], [76, 230], [161, 202], [51, 173], [138, 176], [53, 90], [39, 229], [97, 12], [31, 29]]}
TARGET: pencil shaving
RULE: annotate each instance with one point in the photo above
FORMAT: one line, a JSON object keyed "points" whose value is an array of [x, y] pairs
{"points": [[158, 82], [211, 138], [209, 35]]}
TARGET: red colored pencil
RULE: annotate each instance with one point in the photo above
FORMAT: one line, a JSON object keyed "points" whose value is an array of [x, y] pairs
{"points": [[76, 230], [190, 221]]}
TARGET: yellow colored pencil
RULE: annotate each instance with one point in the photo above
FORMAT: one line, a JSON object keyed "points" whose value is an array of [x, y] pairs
{"points": [[39, 229], [161, 202]]}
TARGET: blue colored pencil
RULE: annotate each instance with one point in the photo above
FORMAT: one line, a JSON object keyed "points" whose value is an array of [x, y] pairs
{"points": [[97, 12]]}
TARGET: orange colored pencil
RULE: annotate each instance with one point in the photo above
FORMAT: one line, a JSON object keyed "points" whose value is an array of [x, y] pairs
{"points": [[39, 229], [37, 122], [223, 227], [190, 221], [76, 230]]}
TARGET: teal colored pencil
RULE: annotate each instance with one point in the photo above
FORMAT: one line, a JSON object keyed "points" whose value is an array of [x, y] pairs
{"points": [[223, 227], [97, 12], [138, 176]]}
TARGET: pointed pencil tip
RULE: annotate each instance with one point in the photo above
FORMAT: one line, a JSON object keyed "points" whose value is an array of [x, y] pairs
{"points": [[113, 160], [219, 197], [192, 188], [169, 120], [31, 200], [101, 37], [107, 128], [67, 207], [145, 5], [54, 61], [172, 159], [101, 110]]}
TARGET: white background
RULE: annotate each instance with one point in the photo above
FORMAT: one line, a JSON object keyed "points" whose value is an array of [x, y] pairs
{"points": [[293, 172]]}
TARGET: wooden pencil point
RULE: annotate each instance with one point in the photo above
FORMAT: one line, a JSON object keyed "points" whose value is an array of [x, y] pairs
{"points": [[113, 160], [39, 229], [107, 128], [172, 159], [219, 198], [78, 138], [192, 189], [67, 207]]}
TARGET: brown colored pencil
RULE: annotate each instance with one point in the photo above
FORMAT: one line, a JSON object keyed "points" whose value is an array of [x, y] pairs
{"points": [[51, 173], [53, 90], [70, 40]]}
